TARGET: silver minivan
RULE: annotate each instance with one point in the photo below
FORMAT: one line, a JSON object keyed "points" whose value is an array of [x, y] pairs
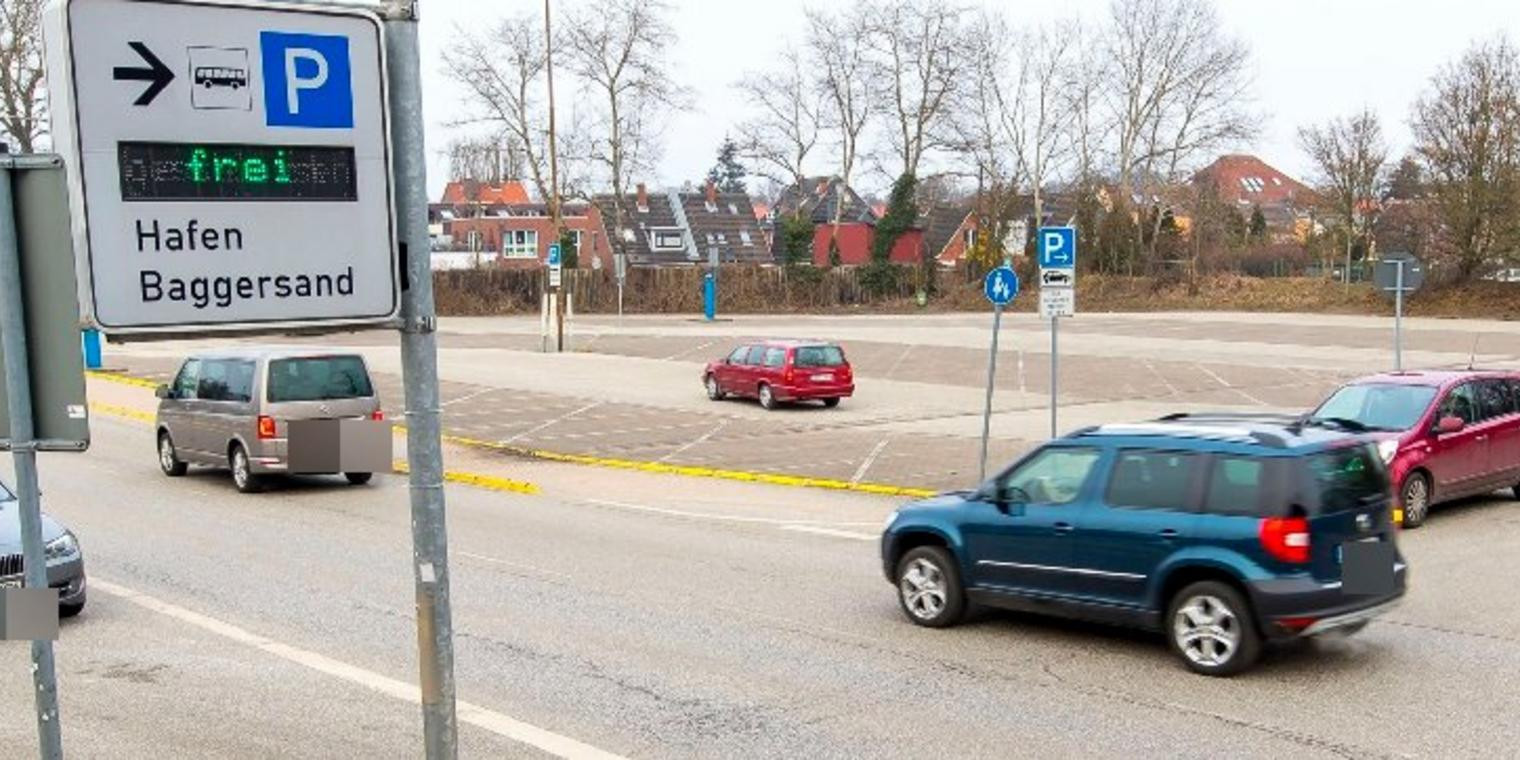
{"points": [[233, 408]]}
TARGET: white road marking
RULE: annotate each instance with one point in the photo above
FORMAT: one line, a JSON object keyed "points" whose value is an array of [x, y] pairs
{"points": [[715, 517], [701, 439], [475, 715], [1172, 389], [870, 460], [469, 396], [686, 351], [1022, 387], [830, 532], [1227, 384], [514, 565], [899, 361], [554, 421]]}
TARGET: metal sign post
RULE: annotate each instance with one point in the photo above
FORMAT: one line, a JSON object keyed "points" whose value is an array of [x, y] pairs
{"points": [[24, 452], [1398, 273], [1058, 282], [1000, 287]]}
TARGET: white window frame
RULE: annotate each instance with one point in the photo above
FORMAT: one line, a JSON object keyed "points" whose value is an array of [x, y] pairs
{"points": [[745, 238], [519, 244], [657, 244]]}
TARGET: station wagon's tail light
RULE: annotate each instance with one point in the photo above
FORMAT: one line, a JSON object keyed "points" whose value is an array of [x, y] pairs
{"points": [[789, 374], [266, 426], [377, 416], [1286, 538]]}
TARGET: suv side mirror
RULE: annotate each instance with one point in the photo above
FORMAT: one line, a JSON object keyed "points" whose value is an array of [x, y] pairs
{"points": [[1450, 425], [162, 391]]}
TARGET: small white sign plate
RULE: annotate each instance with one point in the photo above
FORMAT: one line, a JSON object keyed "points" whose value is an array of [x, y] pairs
{"points": [[1057, 302]]}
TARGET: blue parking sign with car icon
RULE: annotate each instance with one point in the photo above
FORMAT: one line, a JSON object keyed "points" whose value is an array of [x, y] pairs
{"points": [[306, 80]]}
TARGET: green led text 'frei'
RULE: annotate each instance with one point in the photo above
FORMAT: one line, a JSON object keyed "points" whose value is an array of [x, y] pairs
{"points": [[208, 165]]}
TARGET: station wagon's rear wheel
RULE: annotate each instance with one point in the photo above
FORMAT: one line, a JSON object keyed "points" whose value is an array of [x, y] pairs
{"points": [[714, 391], [242, 472], [767, 397], [1209, 625], [929, 587], [830, 403], [168, 459], [1414, 497]]}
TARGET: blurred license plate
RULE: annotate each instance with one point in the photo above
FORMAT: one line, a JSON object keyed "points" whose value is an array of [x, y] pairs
{"points": [[1367, 567], [823, 377], [15, 582]]}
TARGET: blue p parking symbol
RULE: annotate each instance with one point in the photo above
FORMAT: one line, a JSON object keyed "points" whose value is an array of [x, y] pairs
{"points": [[306, 80]]}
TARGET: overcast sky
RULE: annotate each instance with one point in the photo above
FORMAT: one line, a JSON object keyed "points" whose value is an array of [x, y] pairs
{"points": [[1311, 59]]}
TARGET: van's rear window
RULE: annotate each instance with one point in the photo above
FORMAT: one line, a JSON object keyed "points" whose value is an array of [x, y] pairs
{"points": [[318, 378], [819, 356]]}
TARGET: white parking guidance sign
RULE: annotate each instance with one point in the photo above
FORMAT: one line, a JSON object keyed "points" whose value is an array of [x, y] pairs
{"points": [[229, 164]]}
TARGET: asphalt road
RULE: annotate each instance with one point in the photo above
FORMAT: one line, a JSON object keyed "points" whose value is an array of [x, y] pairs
{"points": [[634, 622]]}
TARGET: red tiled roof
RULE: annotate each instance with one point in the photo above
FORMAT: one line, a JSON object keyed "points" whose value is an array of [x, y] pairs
{"points": [[471, 191], [1249, 180]]}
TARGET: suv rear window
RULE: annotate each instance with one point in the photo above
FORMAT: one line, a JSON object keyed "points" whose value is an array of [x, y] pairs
{"points": [[318, 378], [819, 356], [1344, 479], [1244, 486]]}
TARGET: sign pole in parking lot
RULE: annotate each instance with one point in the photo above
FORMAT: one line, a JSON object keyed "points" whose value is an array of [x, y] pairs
{"points": [[1000, 287], [1398, 273], [1057, 249], [258, 167]]}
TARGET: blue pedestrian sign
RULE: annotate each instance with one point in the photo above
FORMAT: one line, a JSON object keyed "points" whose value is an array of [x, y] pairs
{"points": [[1001, 285], [1058, 247]]}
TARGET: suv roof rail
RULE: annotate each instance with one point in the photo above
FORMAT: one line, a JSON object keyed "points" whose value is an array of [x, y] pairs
{"points": [[1281, 418]]}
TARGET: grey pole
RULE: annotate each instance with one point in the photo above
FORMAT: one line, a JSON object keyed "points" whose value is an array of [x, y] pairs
{"points": [[1398, 316], [24, 451], [419, 365], [997, 323], [1055, 370]]}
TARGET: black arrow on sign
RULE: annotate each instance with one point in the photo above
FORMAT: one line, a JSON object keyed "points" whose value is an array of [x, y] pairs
{"points": [[157, 73]]}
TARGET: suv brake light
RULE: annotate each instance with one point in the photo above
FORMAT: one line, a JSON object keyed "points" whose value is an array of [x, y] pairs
{"points": [[266, 427], [1286, 538]]}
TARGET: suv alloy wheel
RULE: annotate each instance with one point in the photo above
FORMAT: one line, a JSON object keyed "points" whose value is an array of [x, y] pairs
{"points": [[1210, 626], [929, 587]]}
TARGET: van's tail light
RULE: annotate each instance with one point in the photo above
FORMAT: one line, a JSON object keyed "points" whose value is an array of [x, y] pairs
{"points": [[377, 416], [1286, 538], [266, 426]]}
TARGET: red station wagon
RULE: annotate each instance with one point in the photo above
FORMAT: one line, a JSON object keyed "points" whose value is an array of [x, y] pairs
{"points": [[1444, 434], [775, 371]]}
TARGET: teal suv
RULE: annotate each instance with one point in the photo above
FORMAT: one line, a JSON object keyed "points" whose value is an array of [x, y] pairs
{"points": [[1222, 532]]}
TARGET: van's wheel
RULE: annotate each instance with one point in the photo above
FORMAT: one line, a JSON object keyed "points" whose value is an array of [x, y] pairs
{"points": [[242, 472], [1209, 625], [714, 391], [929, 587], [1414, 498], [70, 610], [767, 397], [168, 459], [830, 403], [358, 478]]}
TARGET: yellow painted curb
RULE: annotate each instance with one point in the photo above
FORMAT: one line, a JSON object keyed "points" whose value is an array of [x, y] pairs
{"points": [[117, 377], [768, 478]]}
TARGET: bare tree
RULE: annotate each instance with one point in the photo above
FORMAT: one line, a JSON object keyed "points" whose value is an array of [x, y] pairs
{"points": [[918, 53], [1349, 155], [485, 159], [837, 46], [1467, 133], [778, 139], [21, 74], [503, 69], [617, 49], [1178, 92]]}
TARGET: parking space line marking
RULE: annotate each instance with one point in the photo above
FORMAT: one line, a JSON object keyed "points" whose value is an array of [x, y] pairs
{"points": [[1172, 389], [900, 358], [1022, 387], [514, 565], [556, 420], [830, 532], [668, 512], [686, 351], [469, 396], [870, 460], [699, 440], [475, 715], [1227, 384]]}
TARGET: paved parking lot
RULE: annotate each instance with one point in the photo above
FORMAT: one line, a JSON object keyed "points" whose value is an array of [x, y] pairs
{"points": [[630, 388]]}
